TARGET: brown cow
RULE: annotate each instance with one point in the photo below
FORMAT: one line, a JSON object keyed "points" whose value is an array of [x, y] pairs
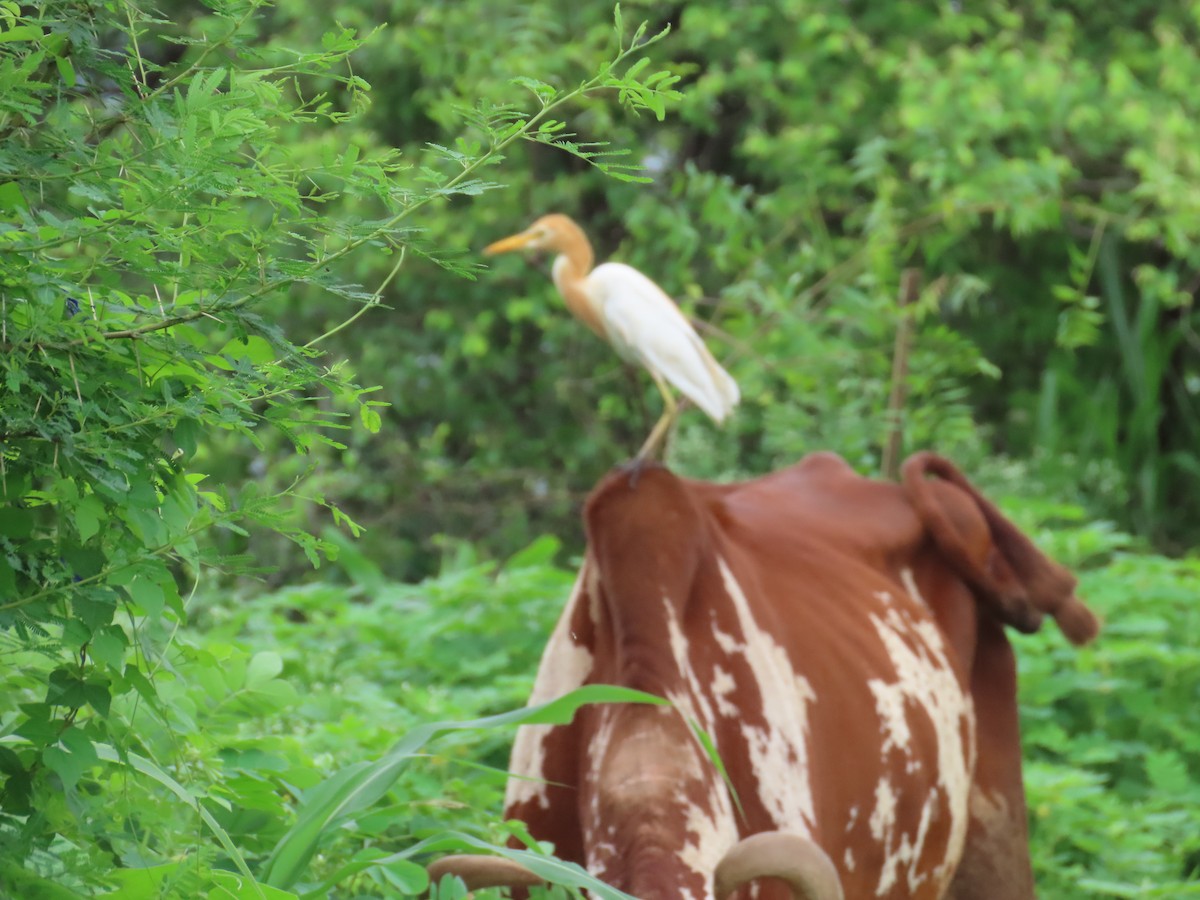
{"points": [[842, 640]]}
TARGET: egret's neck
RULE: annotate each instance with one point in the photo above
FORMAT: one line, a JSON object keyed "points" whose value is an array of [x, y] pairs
{"points": [[575, 254], [570, 277], [566, 273]]}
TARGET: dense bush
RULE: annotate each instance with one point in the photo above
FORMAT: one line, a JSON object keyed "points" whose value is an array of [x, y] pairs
{"points": [[1037, 162], [1112, 747], [155, 214]]}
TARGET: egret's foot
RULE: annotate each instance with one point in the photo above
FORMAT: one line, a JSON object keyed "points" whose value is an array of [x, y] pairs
{"points": [[634, 468], [655, 442]]}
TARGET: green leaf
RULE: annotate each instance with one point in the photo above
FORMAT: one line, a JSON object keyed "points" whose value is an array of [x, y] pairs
{"points": [[240, 887], [65, 687], [66, 70], [474, 344], [264, 666], [21, 884], [370, 418], [96, 690], [253, 348], [38, 728], [93, 606], [71, 757], [11, 196], [108, 646], [8, 580], [147, 594], [187, 435], [555, 871], [1167, 772], [540, 553], [714, 757], [408, 877], [89, 512], [142, 883], [15, 523], [151, 882], [84, 562], [21, 33]]}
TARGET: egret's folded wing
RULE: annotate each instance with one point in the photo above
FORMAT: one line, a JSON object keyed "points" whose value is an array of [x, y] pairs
{"points": [[645, 326]]}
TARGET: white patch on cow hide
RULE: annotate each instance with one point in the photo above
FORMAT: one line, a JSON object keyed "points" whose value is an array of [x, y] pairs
{"points": [[723, 685], [925, 684], [991, 811], [893, 720], [905, 850], [729, 645], [565, 666], [883, 819], [600, 835], [779, 749], [884, 597], [883, 826], [648, 760], [694, 702], [711, 831], [600, 854], [848, 860], [710, 834], [910, 585], [596, 751]]}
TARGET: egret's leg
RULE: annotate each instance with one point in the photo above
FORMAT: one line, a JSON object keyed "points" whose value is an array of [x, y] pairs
{"points": [[663, 425]]}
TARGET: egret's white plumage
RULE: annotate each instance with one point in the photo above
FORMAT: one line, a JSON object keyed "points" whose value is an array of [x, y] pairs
{"points": [[636, 316], [645, 327]]}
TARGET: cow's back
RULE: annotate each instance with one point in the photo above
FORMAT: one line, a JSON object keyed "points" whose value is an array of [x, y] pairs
{"points": [[766, 615], [833, 635]]}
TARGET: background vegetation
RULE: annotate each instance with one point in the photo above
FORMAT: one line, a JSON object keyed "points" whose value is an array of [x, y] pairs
{"points": [[257, 386]]}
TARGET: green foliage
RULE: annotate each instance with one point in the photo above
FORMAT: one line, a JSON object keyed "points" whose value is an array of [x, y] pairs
{"points": [[267, 716], [1033, 163], [1111, 743], [155, 213]]}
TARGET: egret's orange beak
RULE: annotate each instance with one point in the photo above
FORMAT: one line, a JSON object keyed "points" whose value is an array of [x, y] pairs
{"points": [[504, 245]]}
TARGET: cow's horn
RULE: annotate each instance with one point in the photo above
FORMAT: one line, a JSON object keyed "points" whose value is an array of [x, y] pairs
{"points": [[776, 854], [479, 871]]}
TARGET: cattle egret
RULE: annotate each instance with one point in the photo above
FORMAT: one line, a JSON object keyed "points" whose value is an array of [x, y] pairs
{"points": [[631, 312]]}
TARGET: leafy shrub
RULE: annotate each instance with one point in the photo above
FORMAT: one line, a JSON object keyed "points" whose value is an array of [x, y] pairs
{"points": [[1112, 745], [1036, 163], [154, 213]]}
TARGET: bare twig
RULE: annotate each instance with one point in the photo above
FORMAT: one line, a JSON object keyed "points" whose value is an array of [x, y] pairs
{"points": [[910, 289]]}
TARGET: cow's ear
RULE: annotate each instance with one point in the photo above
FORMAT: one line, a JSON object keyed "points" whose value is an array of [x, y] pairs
{"points": [[991, 554]]}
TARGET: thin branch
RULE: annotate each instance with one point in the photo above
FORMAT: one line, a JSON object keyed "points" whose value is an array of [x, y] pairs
{"points": [[910, 289], [376, 299]]}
